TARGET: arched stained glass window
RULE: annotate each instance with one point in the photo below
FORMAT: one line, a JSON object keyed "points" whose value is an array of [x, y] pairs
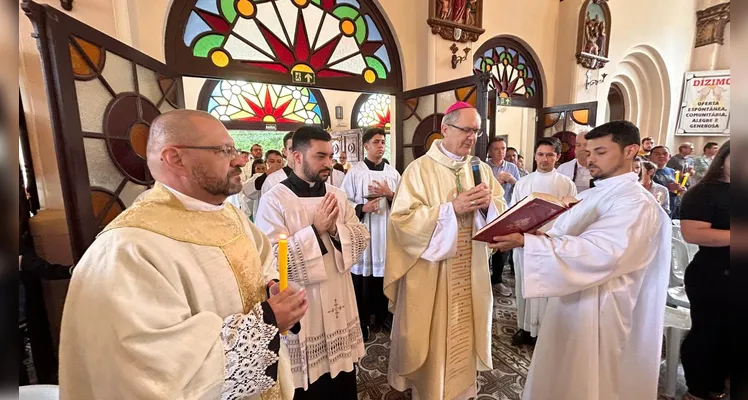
{"points": [[259, 106], [336, 44], [514, 72], [372, 110]]}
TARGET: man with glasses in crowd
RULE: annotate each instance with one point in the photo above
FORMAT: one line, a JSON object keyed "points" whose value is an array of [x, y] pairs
{"points": [[436, 276]]}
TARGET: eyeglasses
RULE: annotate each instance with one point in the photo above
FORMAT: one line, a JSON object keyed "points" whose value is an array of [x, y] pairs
{"points": [[469, 131], [227, 150]]}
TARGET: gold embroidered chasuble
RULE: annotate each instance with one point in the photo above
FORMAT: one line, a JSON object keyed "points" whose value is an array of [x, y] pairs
{"points": [[450, 299], [193, 268]]}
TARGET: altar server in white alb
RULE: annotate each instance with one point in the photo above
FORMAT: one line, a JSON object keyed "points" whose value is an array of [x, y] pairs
{"points": [[604, 266], [437, 277], [272, 179], [170, 301], [365, 179], [325, 239], [544, 180]]}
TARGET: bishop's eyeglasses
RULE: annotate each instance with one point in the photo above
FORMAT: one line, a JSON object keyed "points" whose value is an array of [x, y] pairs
{"points": [[226, 150], [470, 131]]}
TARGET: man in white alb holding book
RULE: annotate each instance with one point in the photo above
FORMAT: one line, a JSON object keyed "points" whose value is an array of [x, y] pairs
{"points": [[544, 180], [604, 266]]}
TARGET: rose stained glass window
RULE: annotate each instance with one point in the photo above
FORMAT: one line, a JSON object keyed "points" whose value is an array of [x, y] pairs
{"points": [[311, 39], [511, 74], [374, 112], [262, 103]]}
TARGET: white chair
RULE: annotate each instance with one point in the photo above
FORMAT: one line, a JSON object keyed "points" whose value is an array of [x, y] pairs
{"points": [[677, 324], [676, 297], [39, 392], [676, 230], [678, 262]]}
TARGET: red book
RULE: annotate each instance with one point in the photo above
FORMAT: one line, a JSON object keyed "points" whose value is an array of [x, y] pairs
{"points": [[528, 215]]}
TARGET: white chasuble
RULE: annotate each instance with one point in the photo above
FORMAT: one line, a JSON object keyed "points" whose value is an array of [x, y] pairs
{"points": [[169, 303], [437, 280], [605, 269], [356, 186], [530, 312], [330, 338]]}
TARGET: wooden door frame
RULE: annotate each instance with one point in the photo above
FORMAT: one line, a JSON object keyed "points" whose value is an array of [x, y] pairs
{"points": [[481, 83], [52, 29], [540, 122]]}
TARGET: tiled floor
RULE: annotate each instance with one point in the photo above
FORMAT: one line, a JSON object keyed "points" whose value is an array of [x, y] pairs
{"points": [[504, 382]]}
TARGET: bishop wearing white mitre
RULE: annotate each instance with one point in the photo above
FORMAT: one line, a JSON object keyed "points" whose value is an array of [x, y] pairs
{"points": [[437, 278], [170, 301], [325, 239], [604, 266]]}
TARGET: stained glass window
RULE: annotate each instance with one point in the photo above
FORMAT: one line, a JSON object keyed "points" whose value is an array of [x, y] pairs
{"points": [[251, 105], [514, 74], [373, 111], [309, 40]]}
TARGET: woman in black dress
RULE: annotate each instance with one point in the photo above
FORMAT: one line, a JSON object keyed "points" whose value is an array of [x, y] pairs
{"points": [[705, 221]]}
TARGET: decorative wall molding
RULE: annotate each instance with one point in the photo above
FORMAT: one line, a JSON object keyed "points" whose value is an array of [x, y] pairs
{"points": [[456, 20], [711, 23]]}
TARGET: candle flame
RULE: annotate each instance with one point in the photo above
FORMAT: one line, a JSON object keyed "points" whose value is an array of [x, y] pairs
{"points": [[283, 237]]}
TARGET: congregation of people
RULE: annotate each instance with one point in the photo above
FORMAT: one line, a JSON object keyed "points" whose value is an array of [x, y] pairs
{"points": [[179, 296]]}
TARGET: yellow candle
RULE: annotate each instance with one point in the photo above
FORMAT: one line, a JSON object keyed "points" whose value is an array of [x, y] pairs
{"points": [[685, 178], [283, 262], [677, 176]]}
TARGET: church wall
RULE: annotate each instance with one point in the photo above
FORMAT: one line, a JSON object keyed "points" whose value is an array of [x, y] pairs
{"points": [[647, 38]]}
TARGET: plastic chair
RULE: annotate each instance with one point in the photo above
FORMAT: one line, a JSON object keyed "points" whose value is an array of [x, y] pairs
{"points": [[676, 297], [676, 230], [678, 262], [39, 392], [677, 323]]}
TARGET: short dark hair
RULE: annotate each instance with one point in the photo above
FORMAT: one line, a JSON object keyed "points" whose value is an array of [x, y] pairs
{"points": [[494, 140], [648, 165], [549, 141], [245, 152], [256, 162], [709, 145], [288, 136], [256, 144], [371, 132], [339, 167], [508, 149], [624, 133], [660, 147], [520, 156], [648, 138], [272, 152], [302, 137]]}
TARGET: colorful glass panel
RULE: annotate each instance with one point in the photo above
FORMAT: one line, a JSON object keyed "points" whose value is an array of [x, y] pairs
{"points": [[375, 112], [259, 102], [511, 74], [331, 38]]}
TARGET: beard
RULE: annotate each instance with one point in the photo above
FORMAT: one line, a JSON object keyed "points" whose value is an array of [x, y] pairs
{"points": [[217, 186], [315, 176]]}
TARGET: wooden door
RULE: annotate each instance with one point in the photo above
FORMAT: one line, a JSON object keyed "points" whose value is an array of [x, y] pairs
{"points": [[420, 112], [102, 97], [564, 123]]}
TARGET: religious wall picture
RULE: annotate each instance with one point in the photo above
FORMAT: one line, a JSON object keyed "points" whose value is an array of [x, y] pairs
{"points": [[705, 104], [456, 20], [593, 36]]}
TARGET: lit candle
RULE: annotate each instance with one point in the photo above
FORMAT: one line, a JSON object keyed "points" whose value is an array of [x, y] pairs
{"points": [[685, 178], [283, 262]]}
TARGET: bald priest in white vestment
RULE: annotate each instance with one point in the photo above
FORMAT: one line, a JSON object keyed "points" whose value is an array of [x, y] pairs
{"points": [[437, 278], [549, 181], [170, 301], [604, 267], [576, 169], [325, 239]]}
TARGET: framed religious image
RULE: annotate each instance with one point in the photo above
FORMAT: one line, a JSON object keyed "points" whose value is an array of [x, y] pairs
{"points": [[456, 20], [705, 104], [593, 36]]}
